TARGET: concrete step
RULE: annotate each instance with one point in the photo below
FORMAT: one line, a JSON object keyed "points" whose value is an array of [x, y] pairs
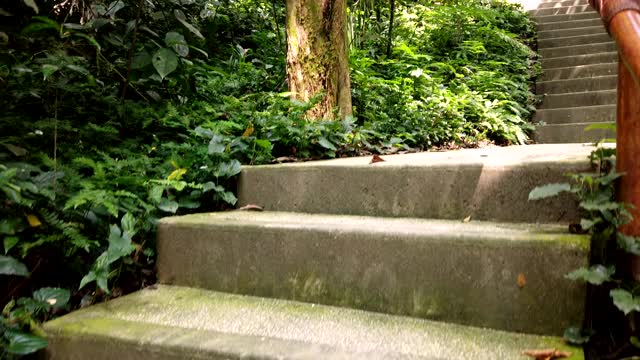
{"points": [[583, 114], [577, 85], [574, 40], [561, 3], [175, 323], [569, 24], [578, 60], [580, 72], [564, 10], [562, 33], [571, 133], [486, 184], [566, 51], [578, 99], [589, 15], [465, 273]]}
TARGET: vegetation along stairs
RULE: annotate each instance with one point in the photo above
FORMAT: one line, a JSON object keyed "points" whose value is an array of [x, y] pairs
{"points": [[579, 80], [434, 255]]}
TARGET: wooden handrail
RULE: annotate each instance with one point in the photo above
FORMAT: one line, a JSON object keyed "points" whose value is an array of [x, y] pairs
{"points": [[622, 20]]}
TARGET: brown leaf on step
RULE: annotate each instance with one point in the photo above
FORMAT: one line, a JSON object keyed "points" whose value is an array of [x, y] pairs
{"points": [[285, 159], [522, 281], [376, 158], [546, 354], [251, 207], [467, 219]]}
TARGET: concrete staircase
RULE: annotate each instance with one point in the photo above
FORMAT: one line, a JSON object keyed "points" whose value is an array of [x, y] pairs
{"points": [[426, 256], [579, 62]]}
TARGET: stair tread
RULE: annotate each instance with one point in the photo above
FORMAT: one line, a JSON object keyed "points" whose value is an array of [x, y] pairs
{"points": [[186, 323]]}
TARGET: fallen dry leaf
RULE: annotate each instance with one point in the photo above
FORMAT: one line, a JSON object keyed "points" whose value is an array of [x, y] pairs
{"points": [[522, 281], [251, 207], [376, 158], [546, 354], [467, 219]]}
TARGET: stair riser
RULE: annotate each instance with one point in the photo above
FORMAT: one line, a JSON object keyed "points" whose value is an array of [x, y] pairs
{"points": [[569, 24], [578, 50], [552, 34], [587, 114], [607, 97], [451, 278], [580, 72], [566, 10], [579, 60], [577, 85], [574, 40], [567, 18], [441, 192], [571, 133], [563, 3]]}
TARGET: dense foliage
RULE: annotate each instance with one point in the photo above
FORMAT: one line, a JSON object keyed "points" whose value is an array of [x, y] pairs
{"points": [[117, 113]]}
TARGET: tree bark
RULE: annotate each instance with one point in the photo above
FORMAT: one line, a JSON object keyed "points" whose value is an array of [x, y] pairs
{"points": [[318, 55]]}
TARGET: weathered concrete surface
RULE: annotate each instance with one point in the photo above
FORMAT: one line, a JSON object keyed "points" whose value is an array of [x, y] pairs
{"points": [[584, 114], [577, 85], [172, 323], [465, 273], [563, 10], [580, 71], [566, 51], [577, 99], [589, 15], [486, 184], [598, 29], [576, 60], [572, 133], [573, 41], [569, 24]]}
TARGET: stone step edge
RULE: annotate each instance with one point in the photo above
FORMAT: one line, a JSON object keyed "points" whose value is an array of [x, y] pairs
{"points": [[579, 66], [575, 46], [184, 323], [575, 37], [590, 28], [568, 57]]}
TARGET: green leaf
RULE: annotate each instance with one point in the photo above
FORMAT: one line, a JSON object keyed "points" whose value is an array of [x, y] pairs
{"points": [[265, 144], [9, 242], [155, 194], [48, 70], [11, 266], [228, 169], [114, 7], [56, 297], [587, 224], [183, 20], [177, 42], [549, 190], [31, 4], [128, 224], [596, 274], [165, 62], [326, 144], [577, 336], [168, 206], [141, 60], [119, 244], [627, 243], [215, 145], [228, 197], [596, 205], [23, 344], [41, 23], [625, 301], [91, 276]]}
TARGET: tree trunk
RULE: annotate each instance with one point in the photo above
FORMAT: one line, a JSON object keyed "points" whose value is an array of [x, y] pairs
{"points": [[318, 55]]}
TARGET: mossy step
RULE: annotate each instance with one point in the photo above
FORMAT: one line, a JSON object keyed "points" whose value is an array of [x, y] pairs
{"points": [[486, 184], [171, 323], [471, 273]]}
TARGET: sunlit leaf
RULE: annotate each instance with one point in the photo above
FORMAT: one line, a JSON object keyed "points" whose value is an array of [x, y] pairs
{"points": [[165, 62], [625, 301], [183, 20], [57, 297], [549, 190], [23, 344], [596, 274], [177, 42], [577, 336]]}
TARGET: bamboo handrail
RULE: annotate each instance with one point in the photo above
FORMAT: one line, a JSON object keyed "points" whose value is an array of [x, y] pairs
{"points": [[622, 20]]}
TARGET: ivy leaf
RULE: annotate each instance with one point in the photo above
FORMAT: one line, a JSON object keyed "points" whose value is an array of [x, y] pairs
{"points": [[228, 169], [114, 7], [577, 336], [183, 20], [177, 43], [53, 296], [596, 274], [625, 301], [165, 62], [549, 190], [23, 344], [11, 266]]}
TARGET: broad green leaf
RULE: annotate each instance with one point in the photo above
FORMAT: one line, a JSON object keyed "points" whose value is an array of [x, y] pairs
{"points": [[627, 243], [177, 42], [265, 144], [212, 186], [595, 205], [228, 169], [577, 336], [156, 193], [228, 197], [48, 70], [549, 190], [168, 205], [114, 7], [91, 276], [183, 20], [9, 242], [128, 224], [41, 23], [587, 224], [32, 4], [326, 144], [596, 274], [215, 145], [56, 297], [625, 301], [119, 243], [23, 344], [165, 62], [141, 60], [11, 266]]}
